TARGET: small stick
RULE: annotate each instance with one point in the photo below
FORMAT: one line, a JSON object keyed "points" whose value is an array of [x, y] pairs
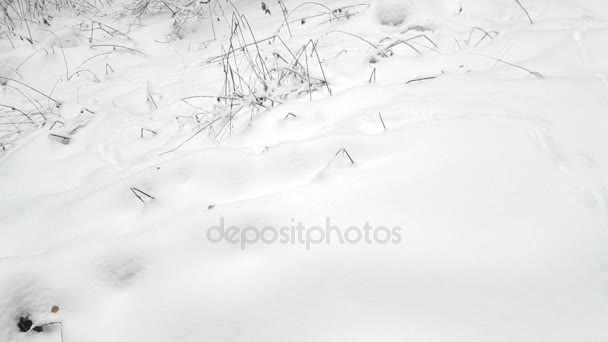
{"points": [[145, 129], [136, 191], [421, 79], [152, 100], [372, 76], [343, 150], [382, 120], [62, 137]]}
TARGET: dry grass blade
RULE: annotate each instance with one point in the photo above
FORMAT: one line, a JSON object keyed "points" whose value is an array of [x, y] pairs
{"points": [[120, 47], [18, 110], [57, 103], [525, 11]]}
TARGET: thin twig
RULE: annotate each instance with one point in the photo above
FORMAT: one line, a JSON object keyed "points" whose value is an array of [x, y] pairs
{"points": [[372, 76], [525, 11], [382, 120], [420, 79], [343, 151], [39, 92], [136, 192], [119, 46]]}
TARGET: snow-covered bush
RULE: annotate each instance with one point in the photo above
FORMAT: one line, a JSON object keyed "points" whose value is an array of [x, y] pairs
{"points": [[181, 10], [16, 16]]}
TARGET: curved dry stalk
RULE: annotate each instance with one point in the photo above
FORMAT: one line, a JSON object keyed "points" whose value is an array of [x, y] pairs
{"points": [[349, 34], [94, 56], [65, 61], [19, 110], [525, 11], [84, 70], [34, 89]]}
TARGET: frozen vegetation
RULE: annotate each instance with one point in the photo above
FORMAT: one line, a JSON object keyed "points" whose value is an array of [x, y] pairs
{"points": [[471, 136]]}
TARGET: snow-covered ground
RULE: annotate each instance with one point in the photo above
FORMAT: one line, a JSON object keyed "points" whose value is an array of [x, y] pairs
{"points": [[482, 136]]}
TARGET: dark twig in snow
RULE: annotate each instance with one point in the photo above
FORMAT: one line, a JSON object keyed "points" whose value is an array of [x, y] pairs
{"points": [[372, 76], [420, 79], [119, 46], [152, 100], [345, 152], [382, 120], [148, 130], [136, 192], [65, 140]]}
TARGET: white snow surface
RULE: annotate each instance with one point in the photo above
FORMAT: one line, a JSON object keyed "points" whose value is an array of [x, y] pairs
{"points": [[496, 170]]}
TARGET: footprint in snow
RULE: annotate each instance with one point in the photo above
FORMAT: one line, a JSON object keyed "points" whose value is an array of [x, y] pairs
{"points": [[546, 142]]}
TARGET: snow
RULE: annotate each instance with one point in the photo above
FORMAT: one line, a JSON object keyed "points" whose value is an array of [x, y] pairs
{"points": [[493, 164], [393, 12]]}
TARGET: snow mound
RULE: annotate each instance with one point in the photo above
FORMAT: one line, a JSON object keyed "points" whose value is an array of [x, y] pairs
{"points": [[393, 12], [396, 12]]}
